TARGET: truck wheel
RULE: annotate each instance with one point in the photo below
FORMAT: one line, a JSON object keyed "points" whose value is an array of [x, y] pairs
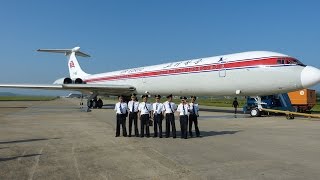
{"points": [[255, 112]]}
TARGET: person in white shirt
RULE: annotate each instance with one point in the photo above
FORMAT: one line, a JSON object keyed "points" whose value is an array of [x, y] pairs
{"points": [[169, 109], [157, 116], [193, 117], [145, 109], [121, 110], [183, 110], [133, 106]]}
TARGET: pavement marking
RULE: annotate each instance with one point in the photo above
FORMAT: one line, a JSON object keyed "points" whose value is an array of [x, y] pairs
{"points": [[19, 158], [75, 162], [37, 158]]}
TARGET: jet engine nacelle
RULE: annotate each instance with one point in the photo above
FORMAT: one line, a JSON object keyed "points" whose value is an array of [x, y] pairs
{"points": [[67, 81], [79, 81]]}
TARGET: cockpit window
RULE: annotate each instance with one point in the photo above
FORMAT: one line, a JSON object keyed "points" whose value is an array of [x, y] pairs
{"points": [[289, 61]]}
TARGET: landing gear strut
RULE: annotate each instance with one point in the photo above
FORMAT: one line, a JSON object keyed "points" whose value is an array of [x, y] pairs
{"points": [[256, 111], [93, 102]]}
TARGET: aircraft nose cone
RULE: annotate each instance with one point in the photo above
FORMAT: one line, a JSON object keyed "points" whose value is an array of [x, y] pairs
{"points": [[310, 76]]}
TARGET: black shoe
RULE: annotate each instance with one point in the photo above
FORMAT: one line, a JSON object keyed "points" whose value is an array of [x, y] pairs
{"points": [[117, 136], [129, 135], [174, 137], [185, 138], [160, 136], [141, 136], [167, 136]]}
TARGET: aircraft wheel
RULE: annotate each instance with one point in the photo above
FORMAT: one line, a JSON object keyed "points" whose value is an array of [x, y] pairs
{"points": [[90, 104], [94, 104], [100, 104], [255, 112]]}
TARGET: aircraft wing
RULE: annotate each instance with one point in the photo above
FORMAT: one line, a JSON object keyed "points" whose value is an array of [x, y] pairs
{"points": [[102, 89]]}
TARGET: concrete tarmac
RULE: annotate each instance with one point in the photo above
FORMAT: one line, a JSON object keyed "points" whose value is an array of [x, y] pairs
{"points": [[54, 140]]}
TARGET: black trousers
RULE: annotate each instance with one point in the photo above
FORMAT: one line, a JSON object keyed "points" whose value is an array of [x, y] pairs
{"points": [[193, 119], [145, 124], [121, 120], [184, 126], [133, 118], [157, 123], [170, 120]]}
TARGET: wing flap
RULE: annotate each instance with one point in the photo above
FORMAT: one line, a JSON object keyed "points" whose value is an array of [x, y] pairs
{"points": [[106, 89]]}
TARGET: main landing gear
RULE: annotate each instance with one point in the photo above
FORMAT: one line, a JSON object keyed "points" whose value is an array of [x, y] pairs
{"points": [[256, 111], [93, 102]]}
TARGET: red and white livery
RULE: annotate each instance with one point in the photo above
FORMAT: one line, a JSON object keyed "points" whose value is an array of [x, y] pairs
{"points": [[253, 73]]}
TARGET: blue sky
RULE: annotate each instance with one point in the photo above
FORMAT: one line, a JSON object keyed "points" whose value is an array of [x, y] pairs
{"points": [[122, 34]]}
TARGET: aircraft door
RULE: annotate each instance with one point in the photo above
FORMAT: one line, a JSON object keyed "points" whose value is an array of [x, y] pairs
{"points": [[222, 69]]}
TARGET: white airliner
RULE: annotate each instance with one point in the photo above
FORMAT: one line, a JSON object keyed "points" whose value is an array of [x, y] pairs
{"points": [[253, 73]]}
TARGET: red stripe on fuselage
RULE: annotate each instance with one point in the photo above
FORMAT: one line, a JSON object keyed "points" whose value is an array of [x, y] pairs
{"points": [[199, 68]]}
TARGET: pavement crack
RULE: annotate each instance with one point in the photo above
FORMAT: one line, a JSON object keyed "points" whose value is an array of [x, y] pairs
{"points": [[75, 162], [36, 164]]}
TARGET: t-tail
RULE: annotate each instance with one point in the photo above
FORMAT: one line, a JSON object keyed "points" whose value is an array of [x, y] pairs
{"points": [[75, 70]]}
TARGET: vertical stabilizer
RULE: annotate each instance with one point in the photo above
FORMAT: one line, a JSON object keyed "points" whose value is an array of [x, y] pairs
{"points": [[75, 70]]}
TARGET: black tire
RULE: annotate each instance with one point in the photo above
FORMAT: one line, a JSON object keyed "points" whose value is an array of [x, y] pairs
{"points": [[100, 104], [255, 112], [90, 104], [94, 104]]}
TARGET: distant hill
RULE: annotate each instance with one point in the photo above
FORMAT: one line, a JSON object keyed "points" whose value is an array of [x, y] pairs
{"points": [[8, 94]]}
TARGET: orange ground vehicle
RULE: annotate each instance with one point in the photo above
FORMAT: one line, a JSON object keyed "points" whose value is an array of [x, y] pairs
{"points": [[303, 100]]}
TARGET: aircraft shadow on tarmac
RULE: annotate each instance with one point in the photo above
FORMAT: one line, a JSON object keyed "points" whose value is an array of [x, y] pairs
{"points": [[219, 110], [26, 140], [16, 157], [13, 107]]}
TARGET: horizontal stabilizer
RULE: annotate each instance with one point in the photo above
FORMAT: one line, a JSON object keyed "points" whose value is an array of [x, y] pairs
{"points": [[66, 51]]}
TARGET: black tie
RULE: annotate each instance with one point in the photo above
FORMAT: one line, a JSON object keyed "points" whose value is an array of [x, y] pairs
{"points": [[132, 106], [194, 111], [145, 106], [120, 108], [183, 109], [157, 108], [170, 107]]}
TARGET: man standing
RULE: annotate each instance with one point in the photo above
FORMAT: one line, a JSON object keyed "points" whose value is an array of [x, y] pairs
{"points": [[183, 110], [121, 110], [145, 109], [157, 116], [235, 104], [170, 108], [133, 106], [193, 117]]}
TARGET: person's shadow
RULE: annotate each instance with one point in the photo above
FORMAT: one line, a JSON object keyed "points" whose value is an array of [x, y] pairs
{"points": [[217, 133], [204, 133]]}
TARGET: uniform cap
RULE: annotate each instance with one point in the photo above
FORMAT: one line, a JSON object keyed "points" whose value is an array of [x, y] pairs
{"points": [[157, 96], [183, 97], [169, 96], [195, 97], [133, 95], [143, 96]]}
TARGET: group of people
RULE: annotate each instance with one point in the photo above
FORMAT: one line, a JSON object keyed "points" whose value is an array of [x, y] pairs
{"points": [[153, 113]]}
